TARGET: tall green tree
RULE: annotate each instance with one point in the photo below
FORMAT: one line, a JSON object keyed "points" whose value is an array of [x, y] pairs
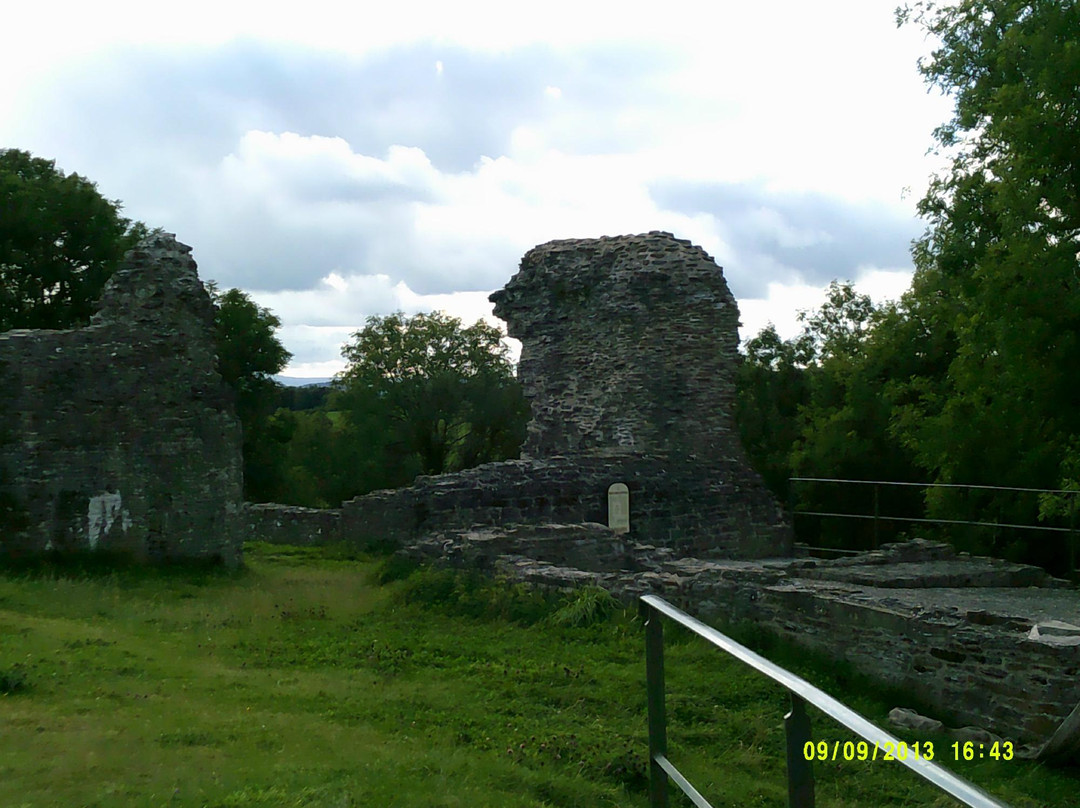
{"points": [[445, 392], [998, 270], [771, 390], [60, 241], [249, 354], [972, 376], [816, 405]]}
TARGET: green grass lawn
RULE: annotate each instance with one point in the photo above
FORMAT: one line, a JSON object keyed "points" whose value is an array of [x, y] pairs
{"points": [[315, 679]]}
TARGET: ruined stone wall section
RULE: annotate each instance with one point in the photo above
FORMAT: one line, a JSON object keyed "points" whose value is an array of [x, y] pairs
{"points": [[628, 343], [721, 510], [290, 524], [970, 674], [629, 355], [122, 435]]}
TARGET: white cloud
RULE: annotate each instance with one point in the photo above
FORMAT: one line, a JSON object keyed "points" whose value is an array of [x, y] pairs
{"points": [[317, 320], [884, 284], [427, 239], [336, 282], [784, 301], [323, 169]]}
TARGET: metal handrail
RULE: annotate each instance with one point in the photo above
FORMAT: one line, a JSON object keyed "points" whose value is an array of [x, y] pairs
{"points": [[933, 521], [1071, 546], [797, 723], [936, 485]]}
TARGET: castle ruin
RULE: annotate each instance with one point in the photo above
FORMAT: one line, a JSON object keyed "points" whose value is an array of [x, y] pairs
{"points": [[121, 436]]}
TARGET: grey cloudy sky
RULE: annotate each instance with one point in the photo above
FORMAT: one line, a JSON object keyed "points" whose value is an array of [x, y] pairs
{"points": [[337, 161]]}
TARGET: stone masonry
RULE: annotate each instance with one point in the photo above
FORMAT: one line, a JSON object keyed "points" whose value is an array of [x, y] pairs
{"points": [[290, 524], [628, 360], [629, 344], [121, 436]]}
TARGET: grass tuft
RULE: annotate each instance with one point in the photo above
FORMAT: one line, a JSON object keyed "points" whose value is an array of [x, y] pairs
{"points": [[467, 593], [585, 607], [13, 679], [394, 568]]}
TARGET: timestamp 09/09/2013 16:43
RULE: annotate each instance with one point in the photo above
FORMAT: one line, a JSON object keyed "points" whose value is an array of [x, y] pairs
{"points": [[925, 750]]}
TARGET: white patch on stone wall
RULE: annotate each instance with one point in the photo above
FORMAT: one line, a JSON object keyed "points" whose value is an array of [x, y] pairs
{"points": [[102, 513], [1055, 632]]}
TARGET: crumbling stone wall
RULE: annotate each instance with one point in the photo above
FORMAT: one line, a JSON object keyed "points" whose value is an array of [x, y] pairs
{"points": [[122, 436], [289, 524], [722, 510], [629, 343], [629, 350]]}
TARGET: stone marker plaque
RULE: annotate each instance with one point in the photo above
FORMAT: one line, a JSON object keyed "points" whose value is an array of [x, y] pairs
{"points": [[618, 508]]}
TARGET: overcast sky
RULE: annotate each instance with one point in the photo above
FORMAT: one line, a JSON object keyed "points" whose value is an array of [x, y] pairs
{"points": [[336, 161]]}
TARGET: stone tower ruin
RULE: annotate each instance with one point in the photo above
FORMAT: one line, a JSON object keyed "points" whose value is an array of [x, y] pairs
{"points": [[121, 436], [629, 350], [629, 344]]}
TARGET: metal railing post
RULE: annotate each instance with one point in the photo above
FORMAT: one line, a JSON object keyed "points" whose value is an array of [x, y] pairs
{"points": [[997, 526], [800, 771], [654, 675], [1072, 533], [877, 513]]}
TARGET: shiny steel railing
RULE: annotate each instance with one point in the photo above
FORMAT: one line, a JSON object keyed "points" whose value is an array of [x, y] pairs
{"points": [[796, 723]]}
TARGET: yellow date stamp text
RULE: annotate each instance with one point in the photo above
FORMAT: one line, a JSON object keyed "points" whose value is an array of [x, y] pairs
{"points": [[900, 750]]}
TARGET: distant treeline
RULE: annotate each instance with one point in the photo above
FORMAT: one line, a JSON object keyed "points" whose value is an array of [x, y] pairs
{"points": [[307, 397]]}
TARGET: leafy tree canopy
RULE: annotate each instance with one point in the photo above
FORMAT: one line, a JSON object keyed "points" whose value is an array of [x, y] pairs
{"points": [[395, 349], [813, 405], [998, 271], [971, 377], [249, 353], [60, 240], [447, 390]]}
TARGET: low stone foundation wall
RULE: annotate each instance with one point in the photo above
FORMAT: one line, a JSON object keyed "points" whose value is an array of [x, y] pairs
{"points": [[973, 666], [587, 546], [288, 524], [722, 510]]}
